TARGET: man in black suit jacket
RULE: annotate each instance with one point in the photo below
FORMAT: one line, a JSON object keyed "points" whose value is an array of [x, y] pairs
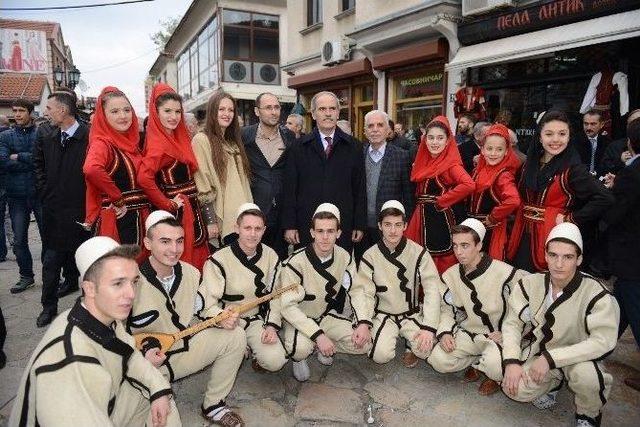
{"points": [[58, 158], [592, 144], [324, 166], [267, 145], [387, 169], [623, 221], [470, 148]]}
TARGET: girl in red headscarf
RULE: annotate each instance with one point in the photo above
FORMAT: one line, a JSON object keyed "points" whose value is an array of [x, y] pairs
{"points": [[166, 173], [441, 183], [116, 205], [496, 195]]}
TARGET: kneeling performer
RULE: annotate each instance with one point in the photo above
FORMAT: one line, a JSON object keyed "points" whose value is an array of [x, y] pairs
{"points": [[386, 292], [312, 313], [169, 296], [86, 371], [244, 270], [575, 325], [479, 286]]}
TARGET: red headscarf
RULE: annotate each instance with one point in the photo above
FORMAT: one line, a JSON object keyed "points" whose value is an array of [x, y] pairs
{"points": [[426, 166], [159, 141], [485, 174], [100, 129]]}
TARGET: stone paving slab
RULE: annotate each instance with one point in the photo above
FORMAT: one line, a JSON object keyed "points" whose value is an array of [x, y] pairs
{"points": [[336, 396]]}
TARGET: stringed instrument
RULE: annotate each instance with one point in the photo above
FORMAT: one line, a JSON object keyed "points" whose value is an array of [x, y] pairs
{"points": [[147, 341]]}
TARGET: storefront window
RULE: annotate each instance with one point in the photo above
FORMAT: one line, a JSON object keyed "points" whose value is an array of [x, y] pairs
{"points": [[198, 65], [418, 98]]}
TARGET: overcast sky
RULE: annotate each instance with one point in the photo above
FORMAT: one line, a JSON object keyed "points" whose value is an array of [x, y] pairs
{"points": [[110, 45]]}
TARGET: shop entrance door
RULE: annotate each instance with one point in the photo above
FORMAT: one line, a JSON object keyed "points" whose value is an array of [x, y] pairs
{"points": [[362, 103]]}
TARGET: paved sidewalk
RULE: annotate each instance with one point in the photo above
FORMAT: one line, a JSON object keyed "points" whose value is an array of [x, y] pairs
{"points": [[334, 396]]}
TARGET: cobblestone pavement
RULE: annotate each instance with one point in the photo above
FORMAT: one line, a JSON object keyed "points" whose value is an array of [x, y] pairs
{"points": [[334, 396]]}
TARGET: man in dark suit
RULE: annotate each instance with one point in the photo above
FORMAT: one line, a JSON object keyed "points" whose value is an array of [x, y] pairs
{"points": [[617, 153], [387, 168], [623, 221], [267, 145], [592, 143], [470, 148], [324, 166], [397, 138], [58, 160]]}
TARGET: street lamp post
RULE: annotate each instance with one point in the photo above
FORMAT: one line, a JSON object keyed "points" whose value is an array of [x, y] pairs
{"points": [[72, 76]]}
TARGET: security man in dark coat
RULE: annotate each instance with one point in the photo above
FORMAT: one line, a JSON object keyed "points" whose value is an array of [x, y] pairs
{"points": [[267, 145], [324, 166], [58, 160]]}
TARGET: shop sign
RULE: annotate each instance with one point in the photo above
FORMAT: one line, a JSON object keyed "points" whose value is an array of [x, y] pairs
{"points": [[23, 51], [541, 15], [418, 86]]}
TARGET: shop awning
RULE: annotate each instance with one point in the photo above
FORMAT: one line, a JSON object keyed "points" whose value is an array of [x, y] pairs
{"points": [[593, 31]]}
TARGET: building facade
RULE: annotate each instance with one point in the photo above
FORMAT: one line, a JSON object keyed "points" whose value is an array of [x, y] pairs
{"points": [[233, 45], [373, 54], [29, 53], [529, 57]]}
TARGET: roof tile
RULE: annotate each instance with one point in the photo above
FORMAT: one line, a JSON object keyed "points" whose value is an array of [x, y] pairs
{"points": [[19, 85]]}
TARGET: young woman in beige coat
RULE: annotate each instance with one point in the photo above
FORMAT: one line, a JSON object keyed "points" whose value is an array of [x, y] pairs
{"points": [[223, 171]]}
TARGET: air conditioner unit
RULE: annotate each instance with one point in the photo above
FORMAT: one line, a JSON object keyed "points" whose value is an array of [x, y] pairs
{"points": [[237, 71], [476, 7], [266, 74], [335, 51]]}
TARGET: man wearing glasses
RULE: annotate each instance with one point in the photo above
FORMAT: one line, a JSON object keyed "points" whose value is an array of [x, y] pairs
{"points": [[267, 144]]}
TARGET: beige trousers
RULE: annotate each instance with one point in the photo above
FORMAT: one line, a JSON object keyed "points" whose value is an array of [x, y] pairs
{"points": [[478, 351], [133, 409], [271, 357], [221, 347], [338, 329], [386, 330], [587, 380]]}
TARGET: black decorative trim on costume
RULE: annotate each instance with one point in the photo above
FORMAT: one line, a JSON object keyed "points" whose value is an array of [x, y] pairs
{"points": [[150, 316], [595, 421], [251, 265], [165, 392], [378, 333], [524, 293], [334, 299], [550, 361], [550, 320], [477, 304], [365, 322], [111, 405], [205, 411], [590, 306], [64, 362], [417, 280], [316, 335], [481, 268], [146, 269], [506, 362], [308, 297], [504, 300], [392, 258], [601, 389]]}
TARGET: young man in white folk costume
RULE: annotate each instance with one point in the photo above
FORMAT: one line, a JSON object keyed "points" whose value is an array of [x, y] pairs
{"points": [[385, 297], [169, 298], [479, 286], [325, 273], [575, 326], [245, 270], [86, 371]]}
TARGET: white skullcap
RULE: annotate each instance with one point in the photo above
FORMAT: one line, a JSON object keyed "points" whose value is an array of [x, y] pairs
{"points": [[393, 204], [476, 226], [566, 230], [328, 207], [92, 250], [155, 217], [246, 207]]}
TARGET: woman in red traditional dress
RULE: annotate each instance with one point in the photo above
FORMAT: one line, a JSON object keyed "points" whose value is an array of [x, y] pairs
{"points": [[555, 187], [166, 173], [496, 195], [116, 206], [441, 183]]}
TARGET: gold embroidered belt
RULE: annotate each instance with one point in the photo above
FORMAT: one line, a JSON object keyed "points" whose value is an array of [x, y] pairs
{"points": [[533, 213], [188, 189], [426, 198], [132, 199]]}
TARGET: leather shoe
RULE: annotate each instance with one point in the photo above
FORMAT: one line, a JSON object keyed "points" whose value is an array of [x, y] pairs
{"points": [[66, 289], [409, 360], [23, 284], [632, 382], [46, 317], [488, 387], [471, 375], [257, 367]]}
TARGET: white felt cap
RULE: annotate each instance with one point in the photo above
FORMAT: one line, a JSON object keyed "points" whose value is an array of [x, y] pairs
{"points": [[92, 250], [328, 207], [246, 207], [566, 230], [393, 204], [476, 226], [155, 217]]}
